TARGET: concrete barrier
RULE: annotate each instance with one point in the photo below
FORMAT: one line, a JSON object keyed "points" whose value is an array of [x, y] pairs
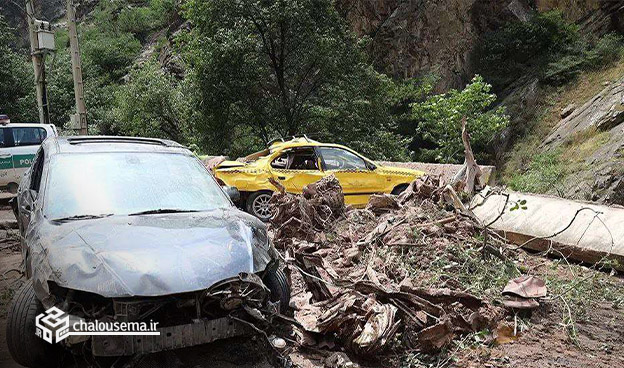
{"points": [[582, 231]]}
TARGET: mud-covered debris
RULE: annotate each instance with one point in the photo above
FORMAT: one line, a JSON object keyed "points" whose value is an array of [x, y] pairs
{"points": [[522, 292], [526, 287], [212, 162], [348, 298], [306, 216], [382, 203], [340, 360], [515, 302], [435, 337], [425, 187]]}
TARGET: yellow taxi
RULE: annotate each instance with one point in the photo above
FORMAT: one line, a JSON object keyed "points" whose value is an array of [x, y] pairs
{"points": [[298, 162]]}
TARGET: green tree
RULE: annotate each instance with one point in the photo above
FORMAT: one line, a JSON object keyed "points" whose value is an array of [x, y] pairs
{"points": [[281, 68], [439, 122], [16, 80], [151, 104], [520, 48]]}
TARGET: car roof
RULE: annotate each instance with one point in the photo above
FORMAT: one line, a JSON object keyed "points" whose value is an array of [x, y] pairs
{"points": [[301, 142], [90, 144], [24, 125]]}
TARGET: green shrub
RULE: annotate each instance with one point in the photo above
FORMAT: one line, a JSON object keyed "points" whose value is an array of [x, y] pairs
{"points": [[151, 104], [142, 20], [544, 174], [109, 54], [607, 50], [439, 122]]}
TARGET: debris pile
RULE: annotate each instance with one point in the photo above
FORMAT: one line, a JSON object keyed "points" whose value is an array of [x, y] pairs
{"points": [[344, 292]]}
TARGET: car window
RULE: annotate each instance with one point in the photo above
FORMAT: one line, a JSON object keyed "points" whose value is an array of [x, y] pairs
{"points": [[296, 159], [2, 140], [37, 170], [123, 183], [340, 159], [28, 136]]}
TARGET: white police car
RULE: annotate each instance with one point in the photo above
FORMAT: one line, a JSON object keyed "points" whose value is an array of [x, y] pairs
{"points": [[18, 144]]}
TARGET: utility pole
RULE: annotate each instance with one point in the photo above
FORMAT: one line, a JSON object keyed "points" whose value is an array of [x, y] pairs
{"points": [[35, 28], [80, 119]]}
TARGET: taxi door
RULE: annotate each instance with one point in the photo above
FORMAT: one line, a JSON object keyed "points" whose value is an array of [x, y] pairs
{"points": [[357, 178], [295, 168]]}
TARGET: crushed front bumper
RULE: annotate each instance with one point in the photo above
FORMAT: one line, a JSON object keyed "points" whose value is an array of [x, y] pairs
{"points": [[175, 337]]}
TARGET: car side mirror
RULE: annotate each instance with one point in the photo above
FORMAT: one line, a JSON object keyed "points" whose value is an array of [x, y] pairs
{"points": [[371, 166], [233, 193]]}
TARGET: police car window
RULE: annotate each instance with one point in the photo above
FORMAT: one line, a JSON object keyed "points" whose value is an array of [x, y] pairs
{"points": [[28, 136], [339, 159], [2, 141]]}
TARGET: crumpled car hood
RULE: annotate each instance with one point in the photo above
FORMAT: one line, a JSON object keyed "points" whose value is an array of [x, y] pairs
{"points": [[150, 255]]}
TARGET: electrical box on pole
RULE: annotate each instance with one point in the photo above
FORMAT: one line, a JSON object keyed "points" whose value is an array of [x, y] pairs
{"points": [[45, 36]]}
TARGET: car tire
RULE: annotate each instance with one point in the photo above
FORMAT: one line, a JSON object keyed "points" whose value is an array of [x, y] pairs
{"points": [[258, 204], [399, 189], [277, 283], [24, 346]]}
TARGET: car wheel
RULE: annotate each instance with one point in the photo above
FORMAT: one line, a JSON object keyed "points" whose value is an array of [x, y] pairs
{"points": [[24, 346], [277, 283], [399, 189], [258, 205]]}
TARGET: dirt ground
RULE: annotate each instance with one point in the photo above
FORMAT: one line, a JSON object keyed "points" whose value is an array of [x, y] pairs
{"points": [[543, 342], [546, 344]]}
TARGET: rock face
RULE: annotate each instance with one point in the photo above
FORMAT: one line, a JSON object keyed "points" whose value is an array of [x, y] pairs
{"points": [[602, 174], [596, 17], [409, 38], [607, 17], [48, 10]]}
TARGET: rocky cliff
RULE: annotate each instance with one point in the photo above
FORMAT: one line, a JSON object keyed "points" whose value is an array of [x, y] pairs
{"points": [[409, 38], [598, 123]]}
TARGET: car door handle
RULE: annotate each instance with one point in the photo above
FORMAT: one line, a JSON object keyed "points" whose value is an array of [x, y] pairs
{"points": [[281, 178], [5, 156]]}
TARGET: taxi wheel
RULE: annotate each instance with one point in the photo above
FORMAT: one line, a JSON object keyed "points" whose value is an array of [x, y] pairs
{"points": [[399, 189], [258, 204]]}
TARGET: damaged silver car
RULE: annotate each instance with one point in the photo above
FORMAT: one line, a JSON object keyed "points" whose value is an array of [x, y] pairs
{"points": [[130, 230]]}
